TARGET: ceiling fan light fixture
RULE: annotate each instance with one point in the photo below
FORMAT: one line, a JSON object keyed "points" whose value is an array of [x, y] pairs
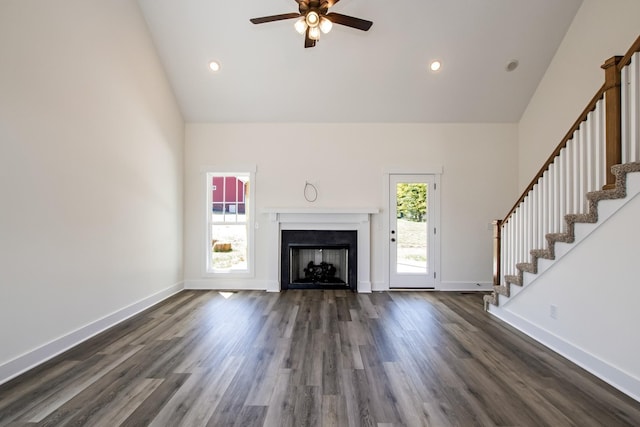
{"points": [[325, 25], [314, 33], [301, 25], [312, 19]]}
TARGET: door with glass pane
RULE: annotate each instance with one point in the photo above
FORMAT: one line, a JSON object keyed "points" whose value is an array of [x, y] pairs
{"points": [[411, 231]]}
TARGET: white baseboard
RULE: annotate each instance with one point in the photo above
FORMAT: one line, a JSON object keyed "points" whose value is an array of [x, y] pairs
{"points": [[30, 360], [247, 285], [451, 286], [273, 286], [364, 287], [379, 286], [619, 379], [226, 284]]}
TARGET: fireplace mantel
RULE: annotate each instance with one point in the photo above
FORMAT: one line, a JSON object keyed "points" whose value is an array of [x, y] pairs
{"points": [[324, 214], [357, 219], [322, 210]]}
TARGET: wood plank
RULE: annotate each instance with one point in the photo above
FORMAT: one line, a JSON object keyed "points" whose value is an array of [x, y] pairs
{"points": [[200, 395], [331, 365], [334, 411], [307, 407], [152, 405], [266, 375], [281, 406], [121, 409]]}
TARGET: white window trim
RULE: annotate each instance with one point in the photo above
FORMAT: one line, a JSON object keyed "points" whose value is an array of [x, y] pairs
{"points": [[206, 245]]}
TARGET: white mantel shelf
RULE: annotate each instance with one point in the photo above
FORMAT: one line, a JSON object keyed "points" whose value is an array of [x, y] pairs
{"points": [[321, 210]]}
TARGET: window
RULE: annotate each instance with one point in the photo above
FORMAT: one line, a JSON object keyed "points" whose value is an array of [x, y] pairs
{"points": [[229, 223]]}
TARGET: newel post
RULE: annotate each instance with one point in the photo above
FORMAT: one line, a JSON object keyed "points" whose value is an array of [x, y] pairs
{"points": [[613, 118], [496, 251]]}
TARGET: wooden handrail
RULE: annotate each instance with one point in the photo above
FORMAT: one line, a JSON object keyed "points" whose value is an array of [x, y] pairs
{"points": [[626, 59], [563, 143], [621, 63]]}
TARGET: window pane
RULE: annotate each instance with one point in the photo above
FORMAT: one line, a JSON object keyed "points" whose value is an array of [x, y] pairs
{"points": [[229, 247], [228, 198], [411, 255]]}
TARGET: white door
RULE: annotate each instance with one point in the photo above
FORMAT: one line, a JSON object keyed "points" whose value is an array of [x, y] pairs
{"points": [[411, 231]]}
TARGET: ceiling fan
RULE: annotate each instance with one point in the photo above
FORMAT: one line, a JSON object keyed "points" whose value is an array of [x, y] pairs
{"points": [[314, 18]]}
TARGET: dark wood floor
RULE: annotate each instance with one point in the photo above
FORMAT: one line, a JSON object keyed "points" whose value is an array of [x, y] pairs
{"points": [[311, 358]]}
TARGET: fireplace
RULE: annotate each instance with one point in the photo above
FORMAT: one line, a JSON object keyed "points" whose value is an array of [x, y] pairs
{"points": [[319, 259], [316, 220]]}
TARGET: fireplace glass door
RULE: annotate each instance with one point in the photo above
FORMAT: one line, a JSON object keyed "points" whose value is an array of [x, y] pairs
{"points": [[319, 259], [318, 266]]}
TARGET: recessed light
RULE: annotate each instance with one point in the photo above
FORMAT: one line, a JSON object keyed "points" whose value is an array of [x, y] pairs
{"points": [[435, 65], [214, 66], [512, 65]]}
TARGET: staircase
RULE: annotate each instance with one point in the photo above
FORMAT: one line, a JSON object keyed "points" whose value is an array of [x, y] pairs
{"points": [[543, 259], [590, 165]]}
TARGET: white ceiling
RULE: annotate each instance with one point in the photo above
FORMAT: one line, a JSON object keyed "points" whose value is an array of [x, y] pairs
{"points": [[353, 76]]}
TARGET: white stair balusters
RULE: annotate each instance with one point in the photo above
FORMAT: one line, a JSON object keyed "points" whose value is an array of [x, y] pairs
{"points": [[631, 110]]}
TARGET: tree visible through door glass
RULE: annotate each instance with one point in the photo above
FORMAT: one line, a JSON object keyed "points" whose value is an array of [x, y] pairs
{"points": [[411, 211]]}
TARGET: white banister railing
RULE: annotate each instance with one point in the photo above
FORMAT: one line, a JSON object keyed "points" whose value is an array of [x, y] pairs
{"points": [[578, 169], [631, 110]]}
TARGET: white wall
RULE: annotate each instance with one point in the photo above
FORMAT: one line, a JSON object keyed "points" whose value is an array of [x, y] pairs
{"points": [[600, 30], [91, 166], [346, 162], [595, 290]]}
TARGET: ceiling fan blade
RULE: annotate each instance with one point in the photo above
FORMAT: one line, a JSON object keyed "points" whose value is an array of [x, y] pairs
{"points": [[349, 21], [272, 18], [308, 41], [325, 5]]}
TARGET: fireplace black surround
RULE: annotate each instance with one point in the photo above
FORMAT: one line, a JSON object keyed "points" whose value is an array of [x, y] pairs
{"points": [[319, 259]]}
